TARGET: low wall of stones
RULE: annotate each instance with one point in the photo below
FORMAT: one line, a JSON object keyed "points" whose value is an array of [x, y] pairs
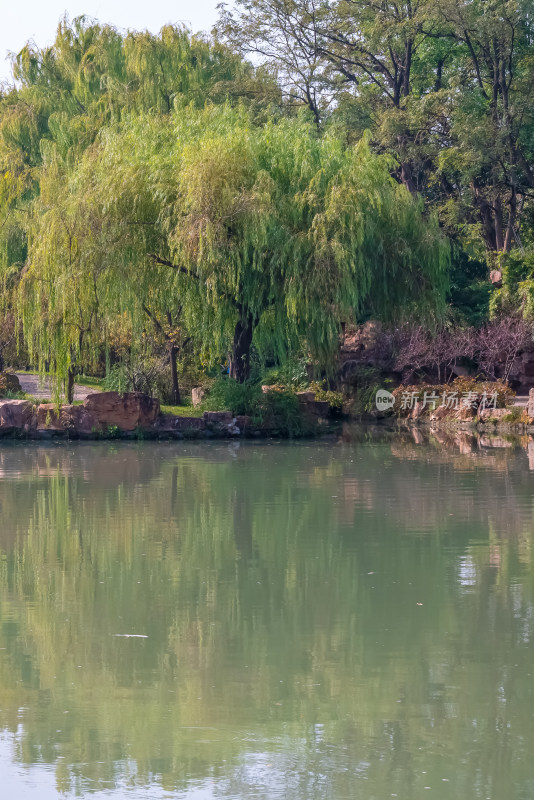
{"points": [[129, 415]]}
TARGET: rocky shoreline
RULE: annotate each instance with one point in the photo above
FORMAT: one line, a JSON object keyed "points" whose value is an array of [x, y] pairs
{"points": [[472, 415], [110, 415]]}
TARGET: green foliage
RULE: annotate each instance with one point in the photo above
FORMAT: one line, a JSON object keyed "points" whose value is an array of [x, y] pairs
{"points": [[366, 381], [66, 94], [162, 192], [182, 411], [517, 292], [280, 412], [228, 395], [270, 228], [334, 399], [292, 373], [443, 86], [516, 414], [469, 290]]}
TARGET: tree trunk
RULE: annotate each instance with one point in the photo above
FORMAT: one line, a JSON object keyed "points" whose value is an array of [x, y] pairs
{"points": [[407, 177], [173, 355], [240, 357], [70, 386]]}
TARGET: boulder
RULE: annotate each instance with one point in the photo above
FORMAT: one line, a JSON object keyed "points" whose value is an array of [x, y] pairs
{"points": [[493, 414], [417, 436], [70, 419], [494, 441], [306, 397], [218, 417], [320, 408], [440, 413], [48, 418], [466, 443], [243, 422], [197, 395], [417, 410], [169, 424], [222, 422], [15, 415], [9, 383], [465, 413], [77, 419], [125, 411]]}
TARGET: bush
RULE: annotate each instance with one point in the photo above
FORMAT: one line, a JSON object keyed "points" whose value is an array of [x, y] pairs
{"points": [[146, 374], [277, 410], [281, 413], [334, 399], [293, 373], [225, 394], [366, 381]]}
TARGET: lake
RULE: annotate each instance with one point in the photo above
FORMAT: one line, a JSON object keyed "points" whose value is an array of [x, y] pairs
{"points": [[327, 619]]}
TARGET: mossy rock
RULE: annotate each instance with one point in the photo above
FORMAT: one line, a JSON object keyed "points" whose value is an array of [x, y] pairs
{"points": [[9, 383]]}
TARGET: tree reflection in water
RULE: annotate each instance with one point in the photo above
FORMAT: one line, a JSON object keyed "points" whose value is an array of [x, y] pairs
{"points": [[323, 619]]}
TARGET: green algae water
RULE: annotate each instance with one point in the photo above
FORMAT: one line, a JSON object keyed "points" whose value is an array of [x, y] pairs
{"points": [[348, 619]]}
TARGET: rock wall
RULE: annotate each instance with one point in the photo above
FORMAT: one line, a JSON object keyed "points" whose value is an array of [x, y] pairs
{"points": [[108, 414]]}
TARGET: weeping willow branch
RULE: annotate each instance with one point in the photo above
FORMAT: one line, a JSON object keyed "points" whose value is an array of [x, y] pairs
{"points": [[165, 263]]}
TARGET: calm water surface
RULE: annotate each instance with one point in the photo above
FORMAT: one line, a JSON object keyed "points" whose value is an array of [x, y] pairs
{"points": [[348, 619]]}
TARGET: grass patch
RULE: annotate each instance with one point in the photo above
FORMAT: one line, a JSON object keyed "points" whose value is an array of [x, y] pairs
{"points": [[90, 382], [182, 411], [515, 415]]}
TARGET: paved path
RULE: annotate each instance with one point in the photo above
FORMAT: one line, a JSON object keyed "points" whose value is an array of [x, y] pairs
{"points": [[31, 385]]}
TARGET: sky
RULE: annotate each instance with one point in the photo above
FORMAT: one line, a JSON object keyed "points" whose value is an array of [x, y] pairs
{"points": [[37, 20]]}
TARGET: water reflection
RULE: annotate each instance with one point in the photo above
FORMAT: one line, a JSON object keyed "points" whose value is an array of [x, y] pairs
{"points": [[331, 619]]}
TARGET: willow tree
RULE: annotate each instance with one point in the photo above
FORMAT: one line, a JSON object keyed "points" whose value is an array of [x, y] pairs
{"points": [[259, 233], [64, 95]]}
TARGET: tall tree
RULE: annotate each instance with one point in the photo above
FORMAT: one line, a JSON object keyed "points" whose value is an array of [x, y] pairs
{"points": [[90, 77], [258, 231], [445, 87]]}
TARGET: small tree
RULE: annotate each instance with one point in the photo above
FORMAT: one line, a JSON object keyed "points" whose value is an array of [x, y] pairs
{"points": [[499, 343]]}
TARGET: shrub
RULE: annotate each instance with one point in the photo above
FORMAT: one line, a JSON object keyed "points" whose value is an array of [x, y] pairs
{"points": [[228, 395], [293, 373], [281, 413], [334, 399], [146, 374], [278, 410]]}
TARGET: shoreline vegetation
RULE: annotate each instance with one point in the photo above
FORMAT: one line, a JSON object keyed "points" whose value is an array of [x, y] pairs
{"points": [[485, 408], [273, 222]]}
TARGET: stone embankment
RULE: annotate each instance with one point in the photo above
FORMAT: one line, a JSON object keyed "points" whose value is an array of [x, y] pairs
{"points": [[473, 415], [110, 414]]}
